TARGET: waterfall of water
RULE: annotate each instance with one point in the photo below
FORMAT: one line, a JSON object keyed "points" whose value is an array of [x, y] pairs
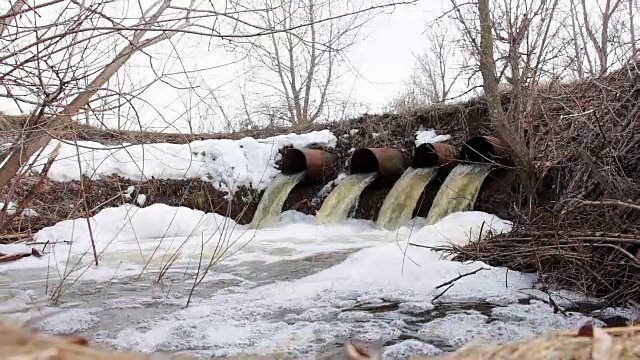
{"points": [[273, 198], [459, 191], [399, 204], [343, 198]]}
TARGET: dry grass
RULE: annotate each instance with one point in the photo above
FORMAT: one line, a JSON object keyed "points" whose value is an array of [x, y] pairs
{"points": [[590, 248], [19, 344], [584, 232], [616, 343]]}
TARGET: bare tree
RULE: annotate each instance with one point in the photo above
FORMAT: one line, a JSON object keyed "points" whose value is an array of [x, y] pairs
{"points": [[303, 64], [436, 74], [55, 62], [632, 30], [515, 43], [440, 67], [601, 45], [602, 36]]}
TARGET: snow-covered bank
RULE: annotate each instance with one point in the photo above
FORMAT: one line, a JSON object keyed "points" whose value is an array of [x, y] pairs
{"points": [[228, 164]]}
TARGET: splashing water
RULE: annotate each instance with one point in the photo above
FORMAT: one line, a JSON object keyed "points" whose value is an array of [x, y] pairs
{"points": [[399, 204], [459, 191], [274, 197], [343, 198]]}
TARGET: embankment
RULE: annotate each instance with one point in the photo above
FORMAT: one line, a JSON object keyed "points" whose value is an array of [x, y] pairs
{"points": [[57, 201]]}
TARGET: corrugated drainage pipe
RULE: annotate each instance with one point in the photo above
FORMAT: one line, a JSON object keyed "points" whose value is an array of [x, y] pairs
{"points": [[317, 163], [431, 155], [484, 149], [389, 164]]}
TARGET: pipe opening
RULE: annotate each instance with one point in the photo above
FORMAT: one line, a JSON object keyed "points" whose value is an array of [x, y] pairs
{"points": [[388, 164], [363, 161], [432, 155], [317, 163], [483, 149], [293, 162], [425, 155]]}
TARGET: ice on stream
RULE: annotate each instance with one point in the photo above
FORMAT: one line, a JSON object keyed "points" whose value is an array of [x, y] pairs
{"points": [[381, 292]]}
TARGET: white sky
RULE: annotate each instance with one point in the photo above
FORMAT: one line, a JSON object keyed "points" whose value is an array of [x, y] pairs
{"points": [[383, 61]]}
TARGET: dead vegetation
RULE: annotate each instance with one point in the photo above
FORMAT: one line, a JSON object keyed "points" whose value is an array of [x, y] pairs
{"points": [[588, 343], [584, 232], [19, 343]]}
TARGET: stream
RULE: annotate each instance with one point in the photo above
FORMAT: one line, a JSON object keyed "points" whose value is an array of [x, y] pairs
{"points": [[297, 297]]}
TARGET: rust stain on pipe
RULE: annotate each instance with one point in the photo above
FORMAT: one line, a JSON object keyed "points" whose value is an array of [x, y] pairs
{"points": [[484, 149], [317, 163], [431, 155], [389, 164]]}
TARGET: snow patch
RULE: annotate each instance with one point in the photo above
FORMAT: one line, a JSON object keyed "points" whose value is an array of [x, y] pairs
{"points": [[460, 228], [429, 137], [128, 238], [141, 199], [324, 192], [228, 164], [13, 207]]}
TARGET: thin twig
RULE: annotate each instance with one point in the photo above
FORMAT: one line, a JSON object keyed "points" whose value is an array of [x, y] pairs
{"points": [[451, 282]]}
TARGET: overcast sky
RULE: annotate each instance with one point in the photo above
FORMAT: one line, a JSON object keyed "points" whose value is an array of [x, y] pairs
{"points": [[384, 59], [381, 63]]}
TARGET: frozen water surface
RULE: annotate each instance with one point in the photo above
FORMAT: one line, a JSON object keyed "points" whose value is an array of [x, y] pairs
{"points": [[296, 289]]}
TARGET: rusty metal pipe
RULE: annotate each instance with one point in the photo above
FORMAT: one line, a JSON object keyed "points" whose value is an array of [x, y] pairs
{"points": [[431, 155], [484, 149], [389, 164], [317, 163]]}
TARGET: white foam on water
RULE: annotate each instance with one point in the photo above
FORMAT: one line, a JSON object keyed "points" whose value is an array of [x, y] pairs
{"points": [[631, 314], [408, 348], [68, 321], [301, 316], [509, 323], [294, 314]]}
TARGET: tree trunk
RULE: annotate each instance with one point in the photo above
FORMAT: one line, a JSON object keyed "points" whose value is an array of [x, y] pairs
{"points": [[40, 137], [507, 128]]}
